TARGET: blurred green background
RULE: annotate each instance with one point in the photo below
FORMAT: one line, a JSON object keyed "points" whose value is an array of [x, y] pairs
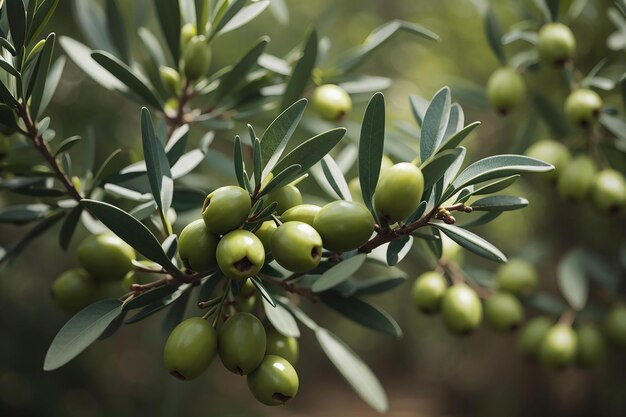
{"points": [[428, 373]]}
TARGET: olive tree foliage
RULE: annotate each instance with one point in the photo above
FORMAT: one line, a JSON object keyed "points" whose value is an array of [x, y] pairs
{"points": [[176, 94]]}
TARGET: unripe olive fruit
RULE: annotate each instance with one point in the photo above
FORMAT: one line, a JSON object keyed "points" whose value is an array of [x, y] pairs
{"points": [[398, 192], [428, 290], [187, 32], [504, 311], [296, 246], [287, 197], [106, 257], [265, 232], [615, 326], [532, 334], [241, 343], [284, 346], [556, 44], [609, 191], [247, 289], [226, 209], [517, 276], [591, 346], [240, 254], [461, 309], [274, 382], [197, 246], [331, 102], [583, 106], [73, 290], [190, 348], [558, 347], [196, 57], [302, 213], [451, 250], [344, 225], [245, 304], [505, 89], [354, 185], [576, 180], [170, 79], [552, 152]]}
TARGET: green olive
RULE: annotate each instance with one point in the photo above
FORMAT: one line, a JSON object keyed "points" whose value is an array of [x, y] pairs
{"points": [[296, 246], [583, 106], [398, 192], [240, 254], [226, 209], [241, 343], [517, 276], [428, 291], [284, 346], [187, 32], [532, 334], [247, 289], [576, 180], [609, 191], [615, 326], [106, 257], [556, 44], [287, 197], [451, 250], [245, 304], [265, 232], [505, 89], [302, 213], [552, 152], [331, 102], [73, 290], [344, 225], [504, 311], [274, 382], [190, 348], [196, 57], [591, 346], [170, 78], [461, 309], [197, 246], [558, 347], [354, 185]]}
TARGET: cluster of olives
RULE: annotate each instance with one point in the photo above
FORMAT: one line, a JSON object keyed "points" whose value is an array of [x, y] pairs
{"points": [[104, 259], [555, 46], [559, 344], [578, 178], [461, 307], [245, 347]]}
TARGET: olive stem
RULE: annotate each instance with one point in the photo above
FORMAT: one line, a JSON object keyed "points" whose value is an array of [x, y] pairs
{"points": [[459, 276], [568, 317], [178, 120], [218, 309]]}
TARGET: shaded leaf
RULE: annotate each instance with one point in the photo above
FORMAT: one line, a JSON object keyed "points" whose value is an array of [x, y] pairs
{"points": [[435, 124], [499, 203], [471, 242], [311, 151], [371, 145], [364, 314], [157, 165], [168, 12], [281, 319], [302, 70], [338, 273]]}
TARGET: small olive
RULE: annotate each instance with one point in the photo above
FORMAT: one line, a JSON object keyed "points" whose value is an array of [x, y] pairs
{"points": [[274, 382], [398, 192], [73, 290], [284, 346], [240, 254], [331, 102], [504, 311], [241, 343], [301, 213], [461, 309], [190, 348], [531, 335], [344, 225], [226, 209], [106, 257], [517, 276], [428, 291], [559, 346]]}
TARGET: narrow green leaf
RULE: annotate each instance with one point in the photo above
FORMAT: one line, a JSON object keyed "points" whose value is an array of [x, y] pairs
{"points": [[572, 280], [499, 203], [335, 177], [69, 226], [23, 213], [149, 297], [202, 15], [283, 178], [311, 151], [16, 14], [103, 172], [471, 242], [239, 164], [398, 249], [42, 15], [130, 230], [242, 17], [435, 124], [364, 314], [237, 75], [281, 319], [378, 285], [80, 331], [371, 145], [338, 273], [157, 165], [496, 186], [117, 30], [152, 47], [158, 305], [435, 168], [127, 76], [168, 12], [8, 67], [54, 76], [497, 167], [41, 76], [456, 139], [278, 134], [353, 369], [8, 46], [256, 162], [494, 35], [302, 71], [261, 288], [92, 22]]}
